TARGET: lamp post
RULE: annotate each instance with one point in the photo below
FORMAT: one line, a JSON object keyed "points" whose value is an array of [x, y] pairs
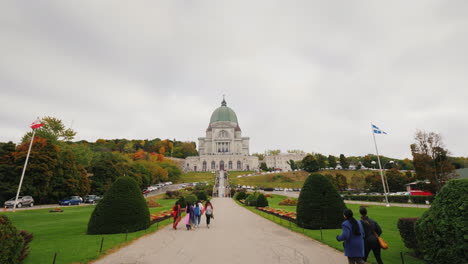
{"points": [[373, 164], [385, 176]]}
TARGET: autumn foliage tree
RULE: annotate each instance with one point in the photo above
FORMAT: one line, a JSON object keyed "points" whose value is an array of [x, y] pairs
{"points": [[430, 159]]}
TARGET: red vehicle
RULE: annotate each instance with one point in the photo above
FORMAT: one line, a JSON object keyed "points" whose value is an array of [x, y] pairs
{"points": [[413, 189]]}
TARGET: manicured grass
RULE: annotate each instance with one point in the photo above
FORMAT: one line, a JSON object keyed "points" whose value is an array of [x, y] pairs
{"points": [[206, 176], [65, 234], [289, 180], [387, 218]]}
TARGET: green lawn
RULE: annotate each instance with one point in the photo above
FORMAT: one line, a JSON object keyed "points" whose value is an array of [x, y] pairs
{"points": [[387, 218], [65, 234], [206, 176]]}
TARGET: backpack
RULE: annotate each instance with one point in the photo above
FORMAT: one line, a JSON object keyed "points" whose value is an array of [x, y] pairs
{"points": [[209, 210], [197, 211]]}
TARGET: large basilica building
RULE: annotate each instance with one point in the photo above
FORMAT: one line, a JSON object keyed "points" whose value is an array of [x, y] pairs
{"points": [[223, 147]]}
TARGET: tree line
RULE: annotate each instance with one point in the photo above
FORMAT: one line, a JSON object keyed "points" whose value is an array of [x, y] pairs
{"points": [[58, 167]]}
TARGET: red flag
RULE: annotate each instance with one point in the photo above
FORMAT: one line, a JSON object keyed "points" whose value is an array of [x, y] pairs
{"points": [[36, 124]]}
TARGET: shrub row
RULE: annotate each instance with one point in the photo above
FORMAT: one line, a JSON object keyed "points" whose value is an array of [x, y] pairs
{"points": [[417, 199]]}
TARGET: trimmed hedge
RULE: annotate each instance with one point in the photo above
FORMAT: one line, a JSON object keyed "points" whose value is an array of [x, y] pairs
{"points": [[319, 204], [442, 230], [241, 196], [190, 198], [202, 196], [262, 201], [407, 233], [12, 242], [123, 209], [417, 199], [251, 199]]}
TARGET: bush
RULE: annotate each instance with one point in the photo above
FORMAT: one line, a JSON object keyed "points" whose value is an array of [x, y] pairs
{"points": [[262, 201], [241, 196], [421, 199], [202, 196], [172, 194], [406, 227], [190, 198], [123, 209], [152, 204], [182, 202], [251, 199], [319, 205], [27, 237], [441, 231], [12, 242]]}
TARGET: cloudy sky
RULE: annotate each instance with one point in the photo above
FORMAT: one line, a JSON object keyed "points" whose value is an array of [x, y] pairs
{"points": [[307, 75]]}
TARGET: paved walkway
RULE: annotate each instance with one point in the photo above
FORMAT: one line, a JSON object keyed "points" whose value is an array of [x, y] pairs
{"points": [[236, 235]]}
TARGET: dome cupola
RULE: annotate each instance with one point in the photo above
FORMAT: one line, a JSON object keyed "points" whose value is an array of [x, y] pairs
{"points": [[223, 114]]}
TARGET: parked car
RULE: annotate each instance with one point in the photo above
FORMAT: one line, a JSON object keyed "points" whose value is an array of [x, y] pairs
{"points": [[72, 200], [22, 201], [91, 199]]}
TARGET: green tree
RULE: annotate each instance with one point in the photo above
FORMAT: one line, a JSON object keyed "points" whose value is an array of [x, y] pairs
{"points": [[396, 180], [173, 170], [263, 166], [319, 204], [332, 161], [262, 201], [344, 161], [321, 160], [52, 129], [67, 177], [292, 164], [122, 209], [8, 171], [40, 169], [106, 168], [310, 163]]}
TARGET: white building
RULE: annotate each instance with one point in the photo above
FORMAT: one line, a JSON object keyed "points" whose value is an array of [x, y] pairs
{"points": [[280, 161], [223, 147]]}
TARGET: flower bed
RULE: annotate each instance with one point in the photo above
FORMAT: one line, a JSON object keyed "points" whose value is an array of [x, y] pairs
{"points": [[287, 215], [160, 216], [288, 201]]}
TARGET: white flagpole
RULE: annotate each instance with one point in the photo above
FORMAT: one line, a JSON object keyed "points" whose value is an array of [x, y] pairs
{"points": [[24, 170], [380, 166]]}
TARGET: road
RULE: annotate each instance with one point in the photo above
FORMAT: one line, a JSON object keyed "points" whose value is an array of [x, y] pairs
{"points": [[42, 206]]}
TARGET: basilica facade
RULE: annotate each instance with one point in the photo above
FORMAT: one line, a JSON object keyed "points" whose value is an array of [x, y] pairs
{"points": [[223, 147]]}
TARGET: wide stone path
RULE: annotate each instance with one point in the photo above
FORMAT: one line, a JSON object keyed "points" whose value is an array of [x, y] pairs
{"points": [[236, 235]]}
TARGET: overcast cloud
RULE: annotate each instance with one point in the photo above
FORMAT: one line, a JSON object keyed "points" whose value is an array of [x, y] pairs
{"points": [[307, 75]]}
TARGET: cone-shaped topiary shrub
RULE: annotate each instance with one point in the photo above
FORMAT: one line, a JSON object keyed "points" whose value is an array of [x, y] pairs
{"points": [[262, 201], [241, 195], [122, 209], [251, 199], [319, 204], [202, 196], [11, 241], [191, 198], [442, 230]]}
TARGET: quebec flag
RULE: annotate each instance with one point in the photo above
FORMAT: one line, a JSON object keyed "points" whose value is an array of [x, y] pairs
{"points": [[378, 130]]}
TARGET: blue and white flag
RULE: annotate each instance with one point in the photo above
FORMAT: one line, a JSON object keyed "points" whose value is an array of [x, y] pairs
{"points": [[378, 130]]}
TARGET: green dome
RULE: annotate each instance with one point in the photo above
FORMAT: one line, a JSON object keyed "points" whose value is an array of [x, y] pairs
{"points": [[223, 113]]}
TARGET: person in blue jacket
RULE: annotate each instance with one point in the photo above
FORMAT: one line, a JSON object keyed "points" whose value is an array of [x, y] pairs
{"points": [[353, 237]]}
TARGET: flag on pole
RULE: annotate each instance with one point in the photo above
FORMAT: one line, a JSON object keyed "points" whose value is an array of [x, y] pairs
{"points": [[36, 124], [378, 130]]}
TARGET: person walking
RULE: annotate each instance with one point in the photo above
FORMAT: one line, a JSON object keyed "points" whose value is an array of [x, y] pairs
{"points": [[353, 237], [208, 212], [189, 216], [176, 214], [372, 231], [197, 212]]}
